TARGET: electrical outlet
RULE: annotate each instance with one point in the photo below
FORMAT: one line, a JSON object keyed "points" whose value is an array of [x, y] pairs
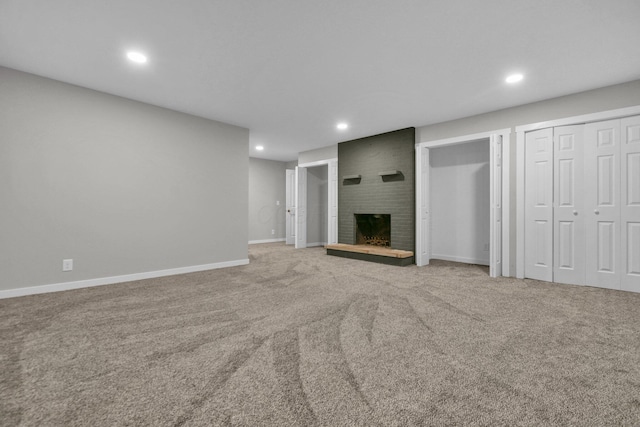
{"points": [[486, 246], [277, 202], [67, 264], [273, 232]]}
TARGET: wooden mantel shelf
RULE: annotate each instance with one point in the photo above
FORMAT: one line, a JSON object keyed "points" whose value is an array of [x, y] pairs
{"points": [[370, 250]]}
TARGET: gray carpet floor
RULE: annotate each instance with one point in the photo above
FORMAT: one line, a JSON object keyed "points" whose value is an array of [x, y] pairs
{"points": [[299, 338]]}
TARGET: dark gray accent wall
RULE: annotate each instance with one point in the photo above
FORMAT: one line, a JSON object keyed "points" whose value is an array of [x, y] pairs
{"points": [[372, 193]]}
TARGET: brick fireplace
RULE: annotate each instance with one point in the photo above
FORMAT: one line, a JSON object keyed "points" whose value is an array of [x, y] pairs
{"points": [[376, 179]]}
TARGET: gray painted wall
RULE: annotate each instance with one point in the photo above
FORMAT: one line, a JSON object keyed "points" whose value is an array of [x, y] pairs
{"points": [[267, 184], [593, 101], [119, 186], [394, 195], [460, 202], [607, 98], [317, 205]]}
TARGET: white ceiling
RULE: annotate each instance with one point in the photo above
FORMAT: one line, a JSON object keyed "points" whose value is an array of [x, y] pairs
{"points": [[289, 70]]}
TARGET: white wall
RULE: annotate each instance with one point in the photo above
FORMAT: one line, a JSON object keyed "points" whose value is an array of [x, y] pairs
{"points": [[329, 152], [606, 98], [460, 202], [317, 208], [267, 189], [119, 186]]}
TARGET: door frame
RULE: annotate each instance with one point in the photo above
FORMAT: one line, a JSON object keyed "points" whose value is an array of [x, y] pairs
{"points": [[500, 208], [332, 198], [301, 208], [520, 164]]}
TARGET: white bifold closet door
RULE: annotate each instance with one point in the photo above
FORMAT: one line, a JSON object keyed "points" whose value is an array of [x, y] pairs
{"points": [[568, 212], [630, 215], [582, 204], [539, 205], [613, 224], [602, 178]]}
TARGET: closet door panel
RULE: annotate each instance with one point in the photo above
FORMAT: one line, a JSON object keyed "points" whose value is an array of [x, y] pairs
{"points": [[568, 217], [606, 246], [630, 206], [539, 205], [633, 254], [602, 204], [565, 247]]}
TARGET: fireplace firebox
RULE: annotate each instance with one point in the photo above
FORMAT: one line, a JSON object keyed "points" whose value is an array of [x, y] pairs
{"points": [[373, 229]]}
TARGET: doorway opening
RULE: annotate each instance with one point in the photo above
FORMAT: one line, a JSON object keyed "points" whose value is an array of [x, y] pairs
{"points": [[313, 215], [460, 209], [317, 205], [498, 196]]}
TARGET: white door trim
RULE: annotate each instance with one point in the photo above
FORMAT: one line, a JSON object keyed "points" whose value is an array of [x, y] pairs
{"points": [[520, 160], [423, 236], [538, 212], [495, 192], [332, 195], [505, 134], [301, 207], [582, 119], [318, 163]]}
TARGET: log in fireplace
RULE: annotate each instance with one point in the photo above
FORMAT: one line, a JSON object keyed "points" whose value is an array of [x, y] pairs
{"points": [[373, 229]]}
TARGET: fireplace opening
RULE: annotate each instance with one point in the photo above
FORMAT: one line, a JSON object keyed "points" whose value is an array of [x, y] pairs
{"points": [[373, 229]]}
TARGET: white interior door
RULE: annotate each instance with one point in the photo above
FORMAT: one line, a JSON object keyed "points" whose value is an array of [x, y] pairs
{"points": [[602, 202], [290, 218], [423, 240], [495, 216], [630, 206], [539, 205], [569, 213], [301, 208]]}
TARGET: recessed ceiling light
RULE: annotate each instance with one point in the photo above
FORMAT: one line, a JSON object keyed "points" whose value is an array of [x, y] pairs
{"points": [[342, 126], [259, 147], [137, 57], [514, 78]]}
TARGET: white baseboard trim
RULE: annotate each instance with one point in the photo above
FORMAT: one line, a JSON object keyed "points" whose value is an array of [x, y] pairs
{"points": [[312, 245], [57, 287], [253, 242], [460, 259]]}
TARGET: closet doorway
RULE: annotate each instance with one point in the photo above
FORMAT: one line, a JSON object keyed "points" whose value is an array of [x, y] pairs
{"points": [[459, 193], [497, 196]]}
